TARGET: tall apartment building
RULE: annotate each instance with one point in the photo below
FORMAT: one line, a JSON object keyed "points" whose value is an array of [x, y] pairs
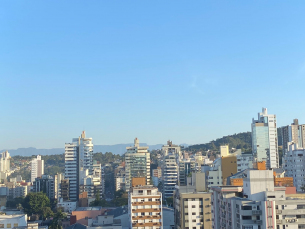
{"points": [[37, 168], [185, 168], [145, 207], [171, 154], [245, 161], [65, 189], [291, 133], [5, 162], [57, 182], [78, 163], [257, 204], [45, 184], [192, 209], [156, 176], [294, 164], [264, 139], [119, 177], [137, 163]]}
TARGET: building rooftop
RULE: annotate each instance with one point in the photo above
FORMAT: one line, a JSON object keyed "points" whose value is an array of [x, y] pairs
{"points": [[279, 170], [98, 208], [12, 216]]}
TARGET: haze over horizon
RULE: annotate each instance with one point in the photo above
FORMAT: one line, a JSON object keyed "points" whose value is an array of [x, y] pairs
{"points": [[188, 72]]}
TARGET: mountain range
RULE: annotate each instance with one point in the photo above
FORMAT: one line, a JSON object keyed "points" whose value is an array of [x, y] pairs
{"points": [[239, 141], [116, 149]]}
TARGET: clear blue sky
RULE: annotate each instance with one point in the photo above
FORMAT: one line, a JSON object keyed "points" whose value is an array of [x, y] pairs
{"points": [[189, 71]]}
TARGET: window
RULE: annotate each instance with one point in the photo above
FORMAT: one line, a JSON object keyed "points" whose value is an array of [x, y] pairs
{"points": [[15, 224], [246, 217], [246, 207], [1, 225], [193, 206], [194, 221], [8, 225], [193, 213]]}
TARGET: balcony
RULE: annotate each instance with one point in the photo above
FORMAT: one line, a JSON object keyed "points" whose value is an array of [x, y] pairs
{"points": [[146, 203], [256, 212], [146, 217], [146, 224], [146, 210]]}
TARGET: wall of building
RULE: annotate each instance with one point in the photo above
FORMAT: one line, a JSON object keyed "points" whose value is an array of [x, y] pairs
{"points": [[228, 167]]}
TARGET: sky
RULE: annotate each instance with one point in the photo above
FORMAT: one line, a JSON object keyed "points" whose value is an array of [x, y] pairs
{"points": [[188, 71]]}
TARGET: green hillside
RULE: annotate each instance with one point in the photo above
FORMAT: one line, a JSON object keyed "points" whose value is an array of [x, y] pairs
{"points": [[239, 141]]}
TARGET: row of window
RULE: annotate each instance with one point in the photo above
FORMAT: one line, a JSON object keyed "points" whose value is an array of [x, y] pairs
{"points": [[9, 225], [194, 213]]}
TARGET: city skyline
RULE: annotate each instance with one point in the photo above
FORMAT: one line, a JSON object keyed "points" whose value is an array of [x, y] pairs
{"points": [[190, 73], [143, 142]]}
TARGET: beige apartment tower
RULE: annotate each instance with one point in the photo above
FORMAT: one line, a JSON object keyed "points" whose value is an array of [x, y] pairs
{"points": [[145, 207], [37, 168]]}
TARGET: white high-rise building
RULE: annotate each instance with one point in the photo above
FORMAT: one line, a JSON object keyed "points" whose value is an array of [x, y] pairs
{"points": [[137, 163], [294, 163], [291, 133], [264, 139], [170, 169], [37, 168], [5, 162], [78, 163]]}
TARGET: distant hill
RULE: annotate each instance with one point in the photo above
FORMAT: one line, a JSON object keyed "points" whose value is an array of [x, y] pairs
{"points": [[239, 141], [116, 149]]}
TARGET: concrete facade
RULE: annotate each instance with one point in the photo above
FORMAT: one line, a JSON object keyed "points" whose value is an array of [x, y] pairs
{"points": [[145, 207], [294, 163], [78, 163], [37, 168], [170, 171], [137, 163], [264, 139], [257, 204]]}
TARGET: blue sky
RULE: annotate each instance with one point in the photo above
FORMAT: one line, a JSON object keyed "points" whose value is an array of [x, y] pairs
{"points": [[189, 71]]}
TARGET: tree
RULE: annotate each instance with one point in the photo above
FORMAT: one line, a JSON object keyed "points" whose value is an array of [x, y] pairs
{"points": [[57, 219], [15, 203], [98, 201], [36, 203], [47, 212], [120, 198]]}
